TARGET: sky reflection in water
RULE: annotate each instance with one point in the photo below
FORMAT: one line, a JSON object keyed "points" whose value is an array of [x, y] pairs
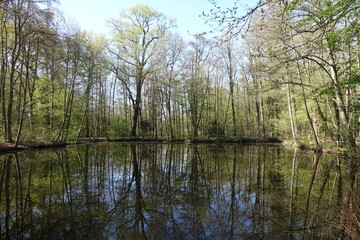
{"points": [[158, 191]]}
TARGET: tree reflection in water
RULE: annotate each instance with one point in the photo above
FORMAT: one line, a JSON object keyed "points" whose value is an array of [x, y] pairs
{"points": [[155, 191]]}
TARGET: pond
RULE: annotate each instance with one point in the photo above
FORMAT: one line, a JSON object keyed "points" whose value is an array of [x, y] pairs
{"points": [[180, 191]]}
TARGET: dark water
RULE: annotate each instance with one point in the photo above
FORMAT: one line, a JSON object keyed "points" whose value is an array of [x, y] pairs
{"points": [[125, 191]]}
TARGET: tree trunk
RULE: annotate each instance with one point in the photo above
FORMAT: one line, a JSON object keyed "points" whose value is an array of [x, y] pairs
{"points": [[344, 118], [292, 114], [136, 107], [3, 70], [261, 108], [311, 124], [2, 95], [230, 68], [168, 108], [24, 102], [85, 117], [233, 109], [248, 106]]}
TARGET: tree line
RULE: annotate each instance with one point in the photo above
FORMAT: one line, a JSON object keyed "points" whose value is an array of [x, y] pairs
{"points": [[287, 69]]}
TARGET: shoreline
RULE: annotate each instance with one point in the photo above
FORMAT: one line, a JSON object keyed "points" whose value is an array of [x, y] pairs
{"points": [[7, 148]]}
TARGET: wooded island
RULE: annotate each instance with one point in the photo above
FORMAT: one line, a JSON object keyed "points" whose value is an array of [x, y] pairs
{"points": [[285, 70]]}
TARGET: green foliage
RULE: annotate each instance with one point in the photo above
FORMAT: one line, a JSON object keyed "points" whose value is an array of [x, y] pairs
{"points": [[216, 128], [298, 48], [145, 127], [119, 127], [330, 88]]}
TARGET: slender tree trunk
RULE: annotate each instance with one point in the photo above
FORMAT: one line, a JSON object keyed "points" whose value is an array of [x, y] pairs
{"points": [[9, 136], [65, 108], [358, 52], [320, 112], [248, 106], [3, 69], [323, 119], [24, 102], [14, 58], [15, 54], [261, 108], [333, 112], [258, 118], [258, 105], [68, 105], [168, 108], [357, 116], [233, 109], [31, 88], [292, 114], [69, 113], [2, 95], [85, 118], [52, 104], [310, 121], [230, 68], [340, 102]]}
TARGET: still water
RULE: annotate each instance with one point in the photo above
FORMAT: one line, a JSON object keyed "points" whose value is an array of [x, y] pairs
{"points": [[160, 191]]}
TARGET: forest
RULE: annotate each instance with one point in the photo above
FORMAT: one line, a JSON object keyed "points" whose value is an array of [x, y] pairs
{"points": [[287, 70]]}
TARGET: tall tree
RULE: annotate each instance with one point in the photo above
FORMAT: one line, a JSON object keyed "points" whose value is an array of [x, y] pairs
{"points": [[322, 33], [22, 25], [172, 51], [197, 81], [92, 62], [230, 63], [72, 69], [137, 35]]}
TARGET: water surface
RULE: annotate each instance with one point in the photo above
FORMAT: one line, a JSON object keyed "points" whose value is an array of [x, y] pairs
{"points": [[160, 191]]}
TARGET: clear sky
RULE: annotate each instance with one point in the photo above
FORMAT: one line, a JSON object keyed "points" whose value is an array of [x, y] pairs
{"points": [[91, 15]]}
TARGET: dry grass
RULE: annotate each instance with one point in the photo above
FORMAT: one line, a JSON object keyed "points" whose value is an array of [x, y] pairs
{"points": [[350, 223]]}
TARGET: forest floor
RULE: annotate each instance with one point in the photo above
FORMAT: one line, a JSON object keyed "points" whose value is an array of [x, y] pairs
{"points": [[8, 147]]}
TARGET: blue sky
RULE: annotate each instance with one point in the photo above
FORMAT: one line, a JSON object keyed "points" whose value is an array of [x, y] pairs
{"points": [[91, 15]]}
